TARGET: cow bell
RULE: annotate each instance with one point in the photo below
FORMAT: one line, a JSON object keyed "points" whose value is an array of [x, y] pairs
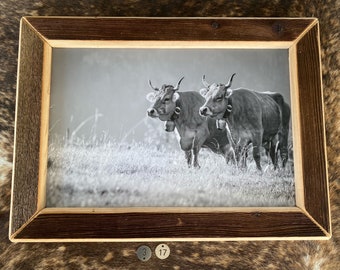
{"points": [[169, 126], [221, 124], [177, 110], [176, 113]]}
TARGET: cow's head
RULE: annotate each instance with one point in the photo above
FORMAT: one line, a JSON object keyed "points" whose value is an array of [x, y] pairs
{"points": [[216, 98], [163, 101]]}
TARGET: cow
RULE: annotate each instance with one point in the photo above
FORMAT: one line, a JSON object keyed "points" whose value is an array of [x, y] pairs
{"points": [[260, 118], [180, 111]]}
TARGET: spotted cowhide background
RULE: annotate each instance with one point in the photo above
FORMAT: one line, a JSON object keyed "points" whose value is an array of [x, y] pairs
{"points": [[185, 255]]}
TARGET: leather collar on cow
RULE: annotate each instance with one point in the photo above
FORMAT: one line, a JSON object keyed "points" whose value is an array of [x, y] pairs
{"points": [[228, 110]]}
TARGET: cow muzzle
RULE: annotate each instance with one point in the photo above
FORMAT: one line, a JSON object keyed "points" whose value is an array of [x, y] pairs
{"points": [[151, 112], [205, 111]]}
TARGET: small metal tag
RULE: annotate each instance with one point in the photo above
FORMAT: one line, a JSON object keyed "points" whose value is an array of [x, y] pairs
{"points": [[162, 251], [143, 253]]}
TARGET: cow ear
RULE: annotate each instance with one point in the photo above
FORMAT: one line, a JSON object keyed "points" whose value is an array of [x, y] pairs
{"points": [[228, 93], [151, 97], [175, 97], [203, 92]]}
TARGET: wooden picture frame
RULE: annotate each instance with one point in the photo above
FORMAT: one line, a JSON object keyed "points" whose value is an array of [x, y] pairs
{"points": [[31, 220]]}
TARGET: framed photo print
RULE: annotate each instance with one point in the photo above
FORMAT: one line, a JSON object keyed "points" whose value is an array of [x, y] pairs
{"points": [[178, 129]]}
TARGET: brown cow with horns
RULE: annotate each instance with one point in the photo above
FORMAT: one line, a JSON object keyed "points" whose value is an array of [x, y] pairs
{"points": [[180, 110], [252, 117]]}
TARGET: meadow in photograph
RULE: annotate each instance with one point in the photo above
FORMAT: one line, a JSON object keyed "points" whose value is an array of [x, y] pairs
{"points": [[104, 151], [106, 173]]}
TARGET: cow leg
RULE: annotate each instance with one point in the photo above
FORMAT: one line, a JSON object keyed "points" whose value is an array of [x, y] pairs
{"points": [[283, 154], [188, 157], [186, 146], [257, 142], [243, 156], [197, 144], [229, 154], [273, 151], [283, 146], [239, 154], [201, 135], [196, 151], [266, 146]]}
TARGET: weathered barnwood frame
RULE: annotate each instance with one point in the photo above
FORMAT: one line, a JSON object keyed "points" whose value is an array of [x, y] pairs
{"points": [[30, 219]]}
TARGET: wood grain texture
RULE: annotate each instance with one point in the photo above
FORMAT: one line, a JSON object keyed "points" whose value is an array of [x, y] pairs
{"points": [[170, 225], [170, 28], [312, 128], [27, 136], [225, 225]]}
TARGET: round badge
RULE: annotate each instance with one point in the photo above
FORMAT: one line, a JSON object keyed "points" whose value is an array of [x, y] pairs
{"points": [[143, 253], [162, 251]]}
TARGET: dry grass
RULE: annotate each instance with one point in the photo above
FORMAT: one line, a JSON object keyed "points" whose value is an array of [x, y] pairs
{"points": [[141, 174]]}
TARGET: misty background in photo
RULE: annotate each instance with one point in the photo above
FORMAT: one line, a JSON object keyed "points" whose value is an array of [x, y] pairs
{"points": [[105, 151], [114, 83]]}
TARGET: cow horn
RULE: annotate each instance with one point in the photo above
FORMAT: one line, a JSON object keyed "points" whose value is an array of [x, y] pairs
{"points": [[205, 83], [154, 88], [230, 80], [179, 82]]}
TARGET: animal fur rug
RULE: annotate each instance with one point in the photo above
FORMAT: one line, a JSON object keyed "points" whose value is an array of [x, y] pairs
{"points": [[185, 255]]}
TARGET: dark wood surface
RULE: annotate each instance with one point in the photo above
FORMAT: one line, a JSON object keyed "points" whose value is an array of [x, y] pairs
{"points": [[312, 128], [169, 225], [170, 29]]}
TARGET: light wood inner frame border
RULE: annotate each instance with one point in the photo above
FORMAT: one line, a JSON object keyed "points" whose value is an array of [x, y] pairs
{"points": [[31, 221]]}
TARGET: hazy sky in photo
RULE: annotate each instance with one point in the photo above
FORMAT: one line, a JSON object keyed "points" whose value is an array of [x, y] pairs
{"points": [[114, 82]]}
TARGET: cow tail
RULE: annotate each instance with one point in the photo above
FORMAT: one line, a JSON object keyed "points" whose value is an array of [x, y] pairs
{"points": [[285, 132], [284, 128]]}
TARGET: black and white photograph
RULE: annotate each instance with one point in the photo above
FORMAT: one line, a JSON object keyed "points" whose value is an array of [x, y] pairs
{"points": [[170, 127]]}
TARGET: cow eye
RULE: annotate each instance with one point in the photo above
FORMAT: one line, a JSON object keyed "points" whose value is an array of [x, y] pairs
{"points": [[219, 99], [166, 100]]}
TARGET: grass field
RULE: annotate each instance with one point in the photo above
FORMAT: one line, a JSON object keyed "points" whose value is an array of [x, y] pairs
{"points": [[141, 174]]}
